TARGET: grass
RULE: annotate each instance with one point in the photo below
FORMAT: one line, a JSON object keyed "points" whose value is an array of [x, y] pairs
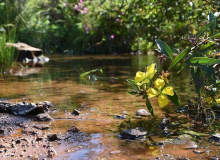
{"points": [[7, 54]]}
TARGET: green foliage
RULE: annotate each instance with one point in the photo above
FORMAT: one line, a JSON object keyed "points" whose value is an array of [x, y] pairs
{"points": [[101, 26], [7, 56], [201, 55]]}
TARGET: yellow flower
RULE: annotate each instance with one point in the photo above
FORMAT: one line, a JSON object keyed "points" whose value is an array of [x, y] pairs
{"points": [[160, 92], [209, 100], [151, 70], [217, 101], [144, 77]]}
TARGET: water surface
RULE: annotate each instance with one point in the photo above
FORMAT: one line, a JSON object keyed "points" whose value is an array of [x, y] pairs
{"points": [[58, 81]]}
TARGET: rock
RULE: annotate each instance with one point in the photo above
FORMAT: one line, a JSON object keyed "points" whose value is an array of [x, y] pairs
{"points": [[73, 129], [137, 117], [215, 137], [41, 126], [5, 145], [143, 112], [53, 137], [164, 123], [186, 140], [44, 117], [22, 108], [182, 109], [94, 109], [120, 116], [51, 153], [199, 151], [115, 152], [30, 131], [76, 112], [133, 133], [6, 130], [48, 104]]}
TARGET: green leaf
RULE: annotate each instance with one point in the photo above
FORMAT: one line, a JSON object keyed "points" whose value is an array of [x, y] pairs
{"points": [[178, 58], [131, 81], [85, 74], [210, 73], [212, 18], [203, 29], [133, 92], [92, 71], [164, 48], [203, 61], [214, 35], [174, 99], [182, 67], [149, 106], [197, 79]]}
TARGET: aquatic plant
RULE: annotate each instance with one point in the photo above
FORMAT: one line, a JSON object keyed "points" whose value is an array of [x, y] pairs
{"points": [[7, 56], [201, 56], [147, 87]]}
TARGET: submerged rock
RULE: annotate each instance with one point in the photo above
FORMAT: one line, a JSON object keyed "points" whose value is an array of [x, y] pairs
{"points": [[186, 140], [143, 112], [76, 112], [52, 137], [164, 123], [120, 116], [133, 133], [73, 129], [41, 126]]}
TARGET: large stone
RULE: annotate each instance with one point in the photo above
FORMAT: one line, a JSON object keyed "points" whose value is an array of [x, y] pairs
{"points": [[22, 108], [142, 112]]}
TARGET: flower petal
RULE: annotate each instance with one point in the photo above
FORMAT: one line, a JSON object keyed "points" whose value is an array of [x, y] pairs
{"points": [[217, 101], [139, 76], [159, 83], [151, 71], [168, 91], [151, 92], [162, 100]]}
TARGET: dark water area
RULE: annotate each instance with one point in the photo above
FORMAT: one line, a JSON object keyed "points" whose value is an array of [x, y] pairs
{"points": [[58, 81]]}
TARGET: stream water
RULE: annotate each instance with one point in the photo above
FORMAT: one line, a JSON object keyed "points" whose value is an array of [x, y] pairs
{"points": [[58, 82]]}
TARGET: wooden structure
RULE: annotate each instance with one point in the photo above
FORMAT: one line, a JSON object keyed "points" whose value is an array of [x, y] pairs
{"points": [[25, 51]]}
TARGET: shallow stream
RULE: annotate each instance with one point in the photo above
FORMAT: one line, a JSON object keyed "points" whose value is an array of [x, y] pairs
{"points": [[98, 102]]}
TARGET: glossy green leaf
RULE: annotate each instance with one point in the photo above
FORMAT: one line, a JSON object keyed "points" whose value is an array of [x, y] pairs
{"points": [[174, 99], [203, 61], [213, 25], [178, 58], [149, 106], [164, 48], [204, 28], [198, 79]]}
